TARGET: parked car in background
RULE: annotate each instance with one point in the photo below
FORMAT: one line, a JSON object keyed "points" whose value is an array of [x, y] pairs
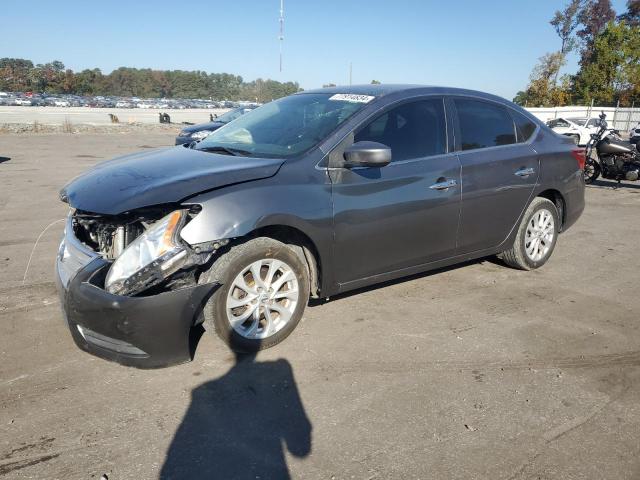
{"points": [[579, 129], [314, 194], [23, 101], [197, 132], [634, 136], [102, 101]]}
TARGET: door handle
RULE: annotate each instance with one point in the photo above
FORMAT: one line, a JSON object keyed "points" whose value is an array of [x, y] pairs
{"points": [[445, 185], [525, 172]]}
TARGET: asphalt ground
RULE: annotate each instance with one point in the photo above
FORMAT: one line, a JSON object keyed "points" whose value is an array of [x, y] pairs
{"points": [[472, 372]]}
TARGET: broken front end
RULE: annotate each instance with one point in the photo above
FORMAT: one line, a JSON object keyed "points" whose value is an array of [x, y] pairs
{"points": [[132, 290]]}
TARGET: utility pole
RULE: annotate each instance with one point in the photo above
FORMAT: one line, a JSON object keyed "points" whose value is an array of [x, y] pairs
{"points": [[350, 73], [281, 36]]}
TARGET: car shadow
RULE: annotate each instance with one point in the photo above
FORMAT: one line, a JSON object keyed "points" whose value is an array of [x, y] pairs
{"points": [[4, 159], [612, 184], [239, 425]]}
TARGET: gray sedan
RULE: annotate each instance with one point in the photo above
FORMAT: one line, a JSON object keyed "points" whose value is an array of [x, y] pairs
{"points": [[312, 195]]}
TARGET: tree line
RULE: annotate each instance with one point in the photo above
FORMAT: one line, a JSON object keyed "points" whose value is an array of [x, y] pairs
{"points": [[609, 49], [20, 75]]}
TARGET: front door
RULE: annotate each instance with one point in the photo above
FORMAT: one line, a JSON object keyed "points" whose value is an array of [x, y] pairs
{"points": [[406, 213]]}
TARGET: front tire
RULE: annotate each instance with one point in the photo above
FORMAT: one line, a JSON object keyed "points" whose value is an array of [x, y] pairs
{"points": [[264, 291], [536, 237]]}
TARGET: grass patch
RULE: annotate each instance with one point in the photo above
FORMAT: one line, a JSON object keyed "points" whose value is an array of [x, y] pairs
{"points": [[67, 126]]}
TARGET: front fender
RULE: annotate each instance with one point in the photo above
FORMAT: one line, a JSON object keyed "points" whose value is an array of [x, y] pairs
{"points": [[239, 210]]}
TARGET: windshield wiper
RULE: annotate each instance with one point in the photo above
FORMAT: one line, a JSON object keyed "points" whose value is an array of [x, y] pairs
{"points": [[238, 152]]}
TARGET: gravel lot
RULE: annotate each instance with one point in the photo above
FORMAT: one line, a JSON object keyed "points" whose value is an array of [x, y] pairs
{"points": [[100, 116], [477, 371]]}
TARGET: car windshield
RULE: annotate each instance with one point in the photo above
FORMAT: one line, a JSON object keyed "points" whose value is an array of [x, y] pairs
{"points": [[285, 127], [231, 115], [578, 121], [557, 122]]}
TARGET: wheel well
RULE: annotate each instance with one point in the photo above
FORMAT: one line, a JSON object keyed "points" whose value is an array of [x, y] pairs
{"points": [[308, 251], [557, 198]]}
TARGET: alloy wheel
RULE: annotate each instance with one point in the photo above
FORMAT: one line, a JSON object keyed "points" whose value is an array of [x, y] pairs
{"points": [[262, 298], [539, 235]]}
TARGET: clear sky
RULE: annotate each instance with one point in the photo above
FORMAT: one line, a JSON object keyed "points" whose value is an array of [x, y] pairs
{"points": [[488, 46]]}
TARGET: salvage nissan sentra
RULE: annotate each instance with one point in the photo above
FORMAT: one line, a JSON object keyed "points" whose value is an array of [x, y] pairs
{"points": [[311, 195]]}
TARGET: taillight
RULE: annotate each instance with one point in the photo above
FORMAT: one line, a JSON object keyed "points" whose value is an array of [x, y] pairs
{"points": [[580, 155]]}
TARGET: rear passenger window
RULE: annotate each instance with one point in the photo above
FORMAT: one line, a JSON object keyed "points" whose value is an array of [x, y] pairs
{"points": [[412, 130], [524, 126], [484, 124]]}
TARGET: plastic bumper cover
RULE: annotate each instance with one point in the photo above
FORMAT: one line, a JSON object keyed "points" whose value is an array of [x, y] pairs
{"points": [[144, 332]]}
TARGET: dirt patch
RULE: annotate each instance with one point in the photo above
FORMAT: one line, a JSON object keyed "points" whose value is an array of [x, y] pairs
{"points": [[71, 128]]}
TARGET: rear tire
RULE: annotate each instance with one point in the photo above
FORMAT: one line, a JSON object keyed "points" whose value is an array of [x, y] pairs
{"points": [[536, 238], [271, 316], [591, 171]]}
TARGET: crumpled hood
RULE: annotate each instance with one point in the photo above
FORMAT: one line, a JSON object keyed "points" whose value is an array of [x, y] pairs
{"points": [[160, 176]]}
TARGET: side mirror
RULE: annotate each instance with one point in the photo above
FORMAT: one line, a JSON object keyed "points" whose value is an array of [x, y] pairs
{"points": [[367, 154]]}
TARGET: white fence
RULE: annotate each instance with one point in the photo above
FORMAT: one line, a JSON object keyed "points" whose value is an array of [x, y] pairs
{"points": [[622, 119]]}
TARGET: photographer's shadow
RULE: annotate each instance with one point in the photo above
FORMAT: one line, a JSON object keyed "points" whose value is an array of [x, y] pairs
{"points": [[239, 425]]}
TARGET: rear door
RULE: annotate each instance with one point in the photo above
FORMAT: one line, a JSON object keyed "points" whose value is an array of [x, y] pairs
{"points": [[499, 172]]}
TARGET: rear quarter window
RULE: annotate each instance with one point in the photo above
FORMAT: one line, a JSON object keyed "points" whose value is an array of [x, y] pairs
{"points": [[524, 126]]}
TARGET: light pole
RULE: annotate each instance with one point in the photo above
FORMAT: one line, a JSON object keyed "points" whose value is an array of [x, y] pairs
{"points": [[281, 36]]}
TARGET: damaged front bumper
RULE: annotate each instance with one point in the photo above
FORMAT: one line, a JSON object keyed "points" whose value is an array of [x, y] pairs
{"points": [[145, 331]]}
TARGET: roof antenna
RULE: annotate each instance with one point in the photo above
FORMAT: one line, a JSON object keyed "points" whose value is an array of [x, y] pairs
{"points": [[281, 36]]}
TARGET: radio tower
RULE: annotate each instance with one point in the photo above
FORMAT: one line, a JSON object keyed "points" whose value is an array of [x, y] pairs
{"points": [[281, 36]]}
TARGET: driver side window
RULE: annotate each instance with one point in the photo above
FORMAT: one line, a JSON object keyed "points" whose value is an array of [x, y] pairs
{"points": [[412, 130]]}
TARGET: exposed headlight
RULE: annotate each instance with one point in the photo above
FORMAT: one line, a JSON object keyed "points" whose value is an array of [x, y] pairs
{"points": [[150, 258], [201, 134]]}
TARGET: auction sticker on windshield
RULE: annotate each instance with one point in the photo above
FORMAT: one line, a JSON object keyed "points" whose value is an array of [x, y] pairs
{"points": [[350, 97]]}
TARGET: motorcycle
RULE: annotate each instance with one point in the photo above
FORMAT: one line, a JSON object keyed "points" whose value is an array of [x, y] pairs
{"points": [[616, 159]]}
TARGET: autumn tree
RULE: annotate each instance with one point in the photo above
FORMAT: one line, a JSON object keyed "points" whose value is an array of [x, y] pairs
{"points": [[89, 82], [565, 23], [632, 15], [15, 74], [20, 75], [613, 73], [543, 90], [593, 17]]}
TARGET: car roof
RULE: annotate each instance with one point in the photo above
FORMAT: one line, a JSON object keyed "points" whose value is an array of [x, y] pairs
{"points": [[380, 90]]}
